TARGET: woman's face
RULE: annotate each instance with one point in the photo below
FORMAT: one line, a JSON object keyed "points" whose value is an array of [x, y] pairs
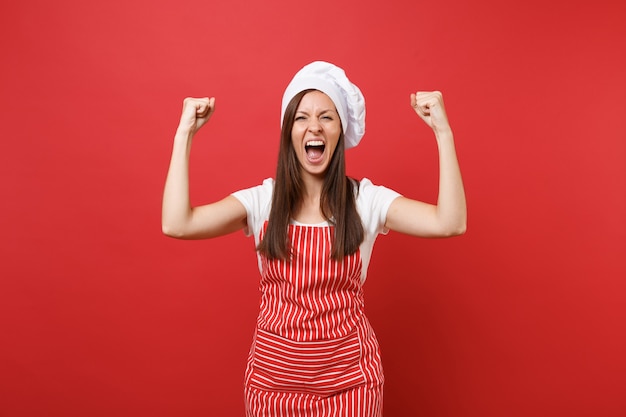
{"points": [[315, 133]]}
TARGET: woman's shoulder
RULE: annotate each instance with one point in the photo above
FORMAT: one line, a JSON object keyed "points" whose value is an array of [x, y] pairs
{"points": [[258, 195], [365, 182], [266, 185], [366, 185], [369, 193]]}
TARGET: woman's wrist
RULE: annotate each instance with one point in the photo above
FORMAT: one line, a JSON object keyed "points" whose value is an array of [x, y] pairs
{"points": [[183, 135], [444, 135]]}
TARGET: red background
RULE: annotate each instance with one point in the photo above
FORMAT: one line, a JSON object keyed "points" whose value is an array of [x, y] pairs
{"points": [[101, 315]]}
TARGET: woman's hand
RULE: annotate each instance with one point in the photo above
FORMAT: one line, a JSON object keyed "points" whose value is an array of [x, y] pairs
{"points": [[196, 112], [429, 107]]}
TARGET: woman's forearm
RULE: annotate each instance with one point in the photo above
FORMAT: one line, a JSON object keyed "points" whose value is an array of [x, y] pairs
{"points": [[176, 210], [451, 204]]}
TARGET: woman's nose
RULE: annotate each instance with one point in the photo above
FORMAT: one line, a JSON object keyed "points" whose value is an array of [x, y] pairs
{"points": [[314, 125]]}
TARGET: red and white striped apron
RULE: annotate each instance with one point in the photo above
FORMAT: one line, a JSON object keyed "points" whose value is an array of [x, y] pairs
{"points": [[314, 352]]}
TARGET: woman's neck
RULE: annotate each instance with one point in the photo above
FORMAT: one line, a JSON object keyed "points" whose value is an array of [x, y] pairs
{"points": [[309, 210], [312, 187]]}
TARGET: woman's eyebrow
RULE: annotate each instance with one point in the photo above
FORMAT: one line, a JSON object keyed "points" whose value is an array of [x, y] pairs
{"points": [[321, 112]]}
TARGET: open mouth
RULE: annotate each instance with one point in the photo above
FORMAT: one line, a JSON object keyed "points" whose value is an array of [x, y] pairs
{"points": [[314, 149]]}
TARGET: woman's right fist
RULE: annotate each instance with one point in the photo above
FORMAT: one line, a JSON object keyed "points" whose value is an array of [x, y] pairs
{"points": [[196, 112]]}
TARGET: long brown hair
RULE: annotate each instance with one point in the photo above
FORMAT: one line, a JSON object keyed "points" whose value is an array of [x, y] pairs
{"points": [[337, 202]]}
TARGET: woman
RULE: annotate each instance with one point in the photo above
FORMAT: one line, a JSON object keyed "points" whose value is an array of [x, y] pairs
{"points": [[314, 353]]}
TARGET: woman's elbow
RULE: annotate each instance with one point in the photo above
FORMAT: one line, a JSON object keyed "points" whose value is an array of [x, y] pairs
{"points": [[460, 230], [455, 230], [170, 231]]}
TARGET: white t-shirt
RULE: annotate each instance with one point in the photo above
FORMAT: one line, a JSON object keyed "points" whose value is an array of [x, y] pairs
{"points": [[372, 203]]}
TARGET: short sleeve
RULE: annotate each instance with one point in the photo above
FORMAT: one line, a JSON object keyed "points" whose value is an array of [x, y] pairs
{"points": [[372, 202], [257, 201]]}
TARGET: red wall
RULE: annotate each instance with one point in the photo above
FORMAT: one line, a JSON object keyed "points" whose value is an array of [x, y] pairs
{"points": [[101, 315]]}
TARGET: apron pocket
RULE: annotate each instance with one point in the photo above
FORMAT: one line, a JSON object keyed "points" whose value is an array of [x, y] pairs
{"points": [[320, 367]]}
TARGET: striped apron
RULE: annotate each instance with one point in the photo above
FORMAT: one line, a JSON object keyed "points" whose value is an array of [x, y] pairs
{"points": [[314, 353]]}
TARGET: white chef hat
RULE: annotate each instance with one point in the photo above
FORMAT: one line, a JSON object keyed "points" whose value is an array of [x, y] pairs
{"points": [[332, 80]]}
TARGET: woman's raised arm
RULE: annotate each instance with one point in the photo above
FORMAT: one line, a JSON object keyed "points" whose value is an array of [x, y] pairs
{"points": [[179, 219], [449, 216]]}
